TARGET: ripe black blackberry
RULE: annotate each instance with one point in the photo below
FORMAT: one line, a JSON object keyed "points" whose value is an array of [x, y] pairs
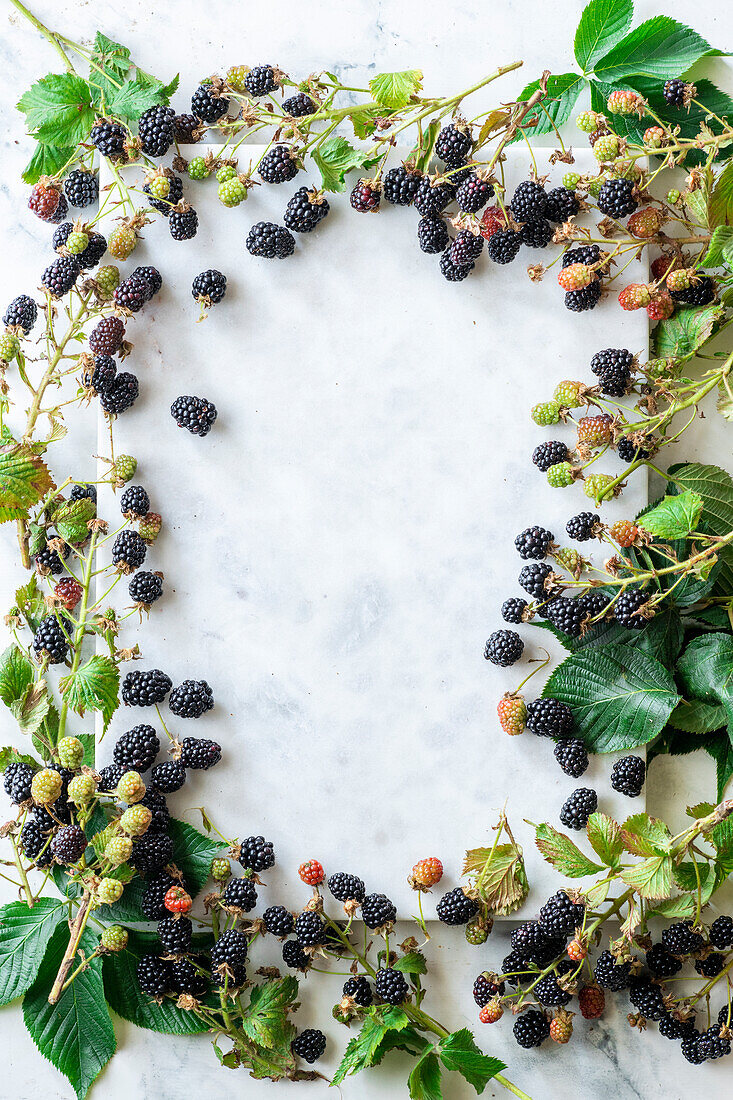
{"points": [[257, 853], [156, 803], [536, 233], [49, 559], [473, 193], [110, 776], [531, 1028], [391, 986], [151, 276], [456, 908], [21, 313], [648, 998], [81, 188], [195, 414], [240, 893], [578, 807], [572, 756], [466, 248], [209, 287], [107, 335], [611, 359], [549, 454], [207, 106], [309, 1045], [681, 939], [512, 610], [270, 241], [121, 394], [346, 887], [69, 844], [145, 588], [191, 699], [128, 550], [294, 956], [156, 130], [35, 843], [261, 80], [710, 966], [151, 853], [533, 542], [400, 186], [611, 974], [278, 165], [230, 949], [453, 145], [51, 640], [566, 615], [628, 775], [151, 902], [103, 373], [504, 246], [230, 977], [299, 105], [93, 252], [154, 975], [528, 939], [514, 965], [672, 1028], [17, 781], [109, 138], [134, 501], [359, 990], [365, 196], [615, 383], [61, 236], [532, 579], [616, 198], [454, 273], [560, 916], [698, 293], [691, 1051], [137, 749], [168, 776], [432, 234], [309, 929], [550, 993], [60, 276], [711, 1045], [503, 648], [529, 201], [376, 910], [630, 452], [725, 1015], [278, 920], [83, 492], [432, 198], [175, 934], [187, 979], [145, 689], [579, 301], [674, 92], [661, 963], [305, 210], [561, 204], [187, 129], [199, 753], [484, 988], [174, 196], [583, 254], [132, 294], [183, 223], [627, 607], [721, 931]]}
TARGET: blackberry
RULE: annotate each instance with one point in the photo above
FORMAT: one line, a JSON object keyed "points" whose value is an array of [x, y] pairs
{"points": [[145, 689], [168, 776], [629, 452], [191, 699], [710, 966], [515, 965], [305, 210], [154, 975], [504, 246], [616, 198], [453, 145], [199, 754], [309, 929], [400, 186], [550, 993], [594, 604], [183, 224], [661, 963], [230, 949], [21, 313], [484, 989], [207, 106], [627, 607], [628, 775], [174, 196], [614, 383], [566, 615], [309, 1045], [585, 254], [711, 1045], [725, 1015], [672, 1028], [128, 550], [648, 998], [611, 359], [131, 294], [106, 337], [156, 803], [269, 241], [109, 139], [257, 853], [346, 887], [532, 579], [681, 939], [365, 197], [51, 640], [456, 908], [549, 454], [579, 301], [577, 809], [691, 1051], [466, 248], [359, 990], [503, 647], [721, 930], [195, 414], [145, 588], [151, 853], [103, 373], [156, 130], [529, 202], [528, 939], [34, 843], [151, 902], [299, 105], [391, 986], [60, 276], [17, 781], [110, 776], [81, 188], [137, 749], [278, 920], [698, 293], [531, 1028], [187, 979], [294, 956], [175, 934], [432, 198], [134, 501], [278, 165], [232, 977], [93, 252], [121, 394], [209, 286], [560, 916], [240, 893], [572, 757], [611, 974], [674, 92], [533, 542], [453, 272], [187, 129], [512, 610], [473, 193], [261, 80], [69, 844], [152, 277], [61, 236], [376, 910], [432, 234], [536, 233], [561, 204]]}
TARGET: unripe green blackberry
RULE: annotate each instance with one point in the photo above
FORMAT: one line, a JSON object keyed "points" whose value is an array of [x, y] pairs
{"points": [[593, 187], [9, 346], [130, 788], [159, 187], [46, 786], [76, 242], [136, 820], [149, 527], [477, 931], [595, 485], [121, 242], [70, 753], [124, 468], [568, 393], [606, 148], [571, 180], [81, 789], [560, 475], [232, 192], [118, 850], [236, 78], [546, 413], [109, 891], [198, 169], [588, 121], [107, 280], [225, 172], [673, 196], [220, 870], [569, 559], [114, 938]]}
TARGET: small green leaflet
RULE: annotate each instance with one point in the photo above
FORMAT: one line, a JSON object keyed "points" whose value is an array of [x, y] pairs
{"points": [[721, 199], [559, 850], [194, 853], [9, 755], [715, 486], [685, 332], [720, 249], [652, 878], [58, 109], [334, 159], [265, 1021], [675, 517], [16, 674], [502, 875], [604, 836], [676, 908], [411, 963], [424, 1080], [47, 160], [94, 686], [643, 835], [694, 716], [659, 47], [24, 936], [602, 24], [706, 670], [459, 1052], [24, 481], [691, 877], [362, 1049], [30, 710], [71, 519], [394, 90], [554, 110]]}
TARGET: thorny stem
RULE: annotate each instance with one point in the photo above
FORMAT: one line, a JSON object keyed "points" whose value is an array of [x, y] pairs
{"points": [[76, 932], [79, 635]]}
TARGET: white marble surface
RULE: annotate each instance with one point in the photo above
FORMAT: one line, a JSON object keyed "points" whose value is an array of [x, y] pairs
{"points": [[362, 38]]}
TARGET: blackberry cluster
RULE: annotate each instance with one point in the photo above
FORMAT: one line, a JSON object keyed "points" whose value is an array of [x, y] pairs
{"points": [[106, 337], [145, 588], [346, 887], [257, 854], [156, 803], [309, 929], [191, 699], [529, 202], [128, 550], [365, 197], [611, 974], [49, 559], [299, 105], [548, 717], [584, 254], [484, 988], [583, 527], [134, 501], [432, 198], [674, 92], [528, 940], [661, 963], [550, 993], [400, 186], [533, 542], [376, 910], [549, 454], [531, 1028], [240, 893], [81, 188], [69, 844], [578, 807], [532, 579], [572, 756], [110, 776], [195, 414], [103, 373], [566, 615], [151, 902], [230, 949], [17, 782], [145, 689], [132, 293], [309, 1045], [109, 139], [207, 106], [199, 754], [151, 853], [187, 979], [137, 749], [168, 776], [628, 775], [648, 998], [613, 366], [35, 843], [391, 986], [187, 129], [473, 193], [154, 975], [294, 956], [278, 165], [629, 452], [21, 313], [536, 234], [681, 939], [699, 293], [579, 301], [278, 920], [270, 241], [616, 198], [512, 610], [560, 916], [721, 931], [51, 640], [305, 210], [209, 286], [454, 273], [456, 908], [504, 648], [121, 394], [453, 146], [466, 248]]}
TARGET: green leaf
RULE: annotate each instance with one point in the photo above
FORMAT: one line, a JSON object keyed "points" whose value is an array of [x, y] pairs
{"points": [[30, 602], [459, 1052], [94, 686], [676, 908], [676, 516], [604, 836], [334, 159], [24, 480], [111, 56], [685, 332], [643, 835], [24, 936], [58, 109], [659, 47], [502, 875], [720, 249], [46, 737], [72, 517], [694, 716], [424, 1080], [705, 670], [362, 1049], [265, 1020], [411, 963], [722, 837], [555, 108], [688, 122], [16, 674], [394, 90], [686, 876], [47, 160], [602, 24], [721, 199], [559, 850], [715, 486], [30, 710], [76, 1033], [652, 878], [134, 97], [10, 755], [620, 697], [194, 853]]}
